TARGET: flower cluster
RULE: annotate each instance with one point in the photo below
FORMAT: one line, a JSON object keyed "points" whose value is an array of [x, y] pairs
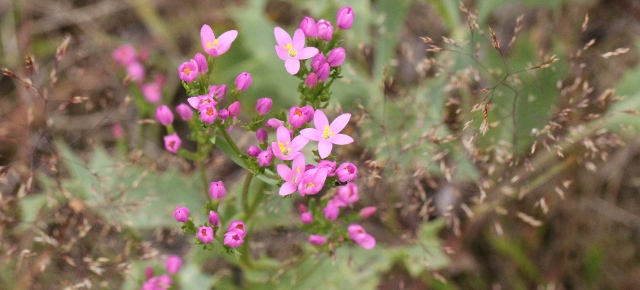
{"points": [[163, 282]]}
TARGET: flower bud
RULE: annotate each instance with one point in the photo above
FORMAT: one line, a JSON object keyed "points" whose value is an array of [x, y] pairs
{"points": [[325, 29], [323, 72], [311, 80], [265, 157], [239, 226], [308, 26], [152, 92], [117, 131], [173, 264], [297, 117], [217, 190], [302, 208], [201, 61], [368, 211], [308, 111], [344, 18], [253, 151], [164, 115], [181, 214], [347, 172], [274, 123], [243, 81], [262, 135], [223, 114], [126, 54], [331, 211], [309, 167], [263, 106], [347, 194], [135, 71], [234, 109], [184, 111], [329, 165], [306, 217], [214, 218], [336, 56], [317, 240], [172, 143], [205, 234], [148, 273], [218, 92], [318, 60]]}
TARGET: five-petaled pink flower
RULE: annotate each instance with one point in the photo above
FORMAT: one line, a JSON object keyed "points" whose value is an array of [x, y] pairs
{"points": [[292, 50], [291, 175], [285, 148], [312, 181], [216, 46], [327, 134]]}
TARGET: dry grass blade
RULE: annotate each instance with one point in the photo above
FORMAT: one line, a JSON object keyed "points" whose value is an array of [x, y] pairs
{"points": [[516, 29], [529, 219], [618, 51], [585, 23], [494, 40]]}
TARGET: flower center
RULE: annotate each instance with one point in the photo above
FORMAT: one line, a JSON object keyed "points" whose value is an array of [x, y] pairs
{"points": [[298, 112], [209, 112], [172, 143], [292, 52], [327, 134], [203, 232], [210, 45], [284, 148], [187, 71], [309, 185]]}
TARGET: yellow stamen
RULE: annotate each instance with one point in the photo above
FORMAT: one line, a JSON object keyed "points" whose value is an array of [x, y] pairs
{"points": [[284, 148], [215, 42], [298, 112], [186, 71], [327, 134], [209, 112], [208, 44]]}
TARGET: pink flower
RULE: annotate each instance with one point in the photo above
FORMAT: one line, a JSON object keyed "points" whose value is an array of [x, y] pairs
{"points": [[291, 175], [237, 226], [274, 123], [332, 210], [347, 172], [317, 240], [344, 18], [297, 117], [173, 264], [172, 143], [184, 112], [360, 236], [201, 102], [164, 115], [205, 234], [218, 92], [308, 111], [336, 56], [306, 218], [214, 218], [135, 71], [292, 51], [263, 106], [285, 148], [224, 114], [216, 46], [348, 194], [117, 131], [243, 81], [201, 61], [368, 211], [152, 92], [233, 238], [308, 26], [329, 165], [234, 109], [253, 151], [157, 283], [188, 71], [262, 135], [323, 72], [318, 60], [325, 30], [312, 181], [327, 134], [265, 157], [217, 190], [181, 214], [311, 80], [125, 54], [148, 273], [208, 114]]}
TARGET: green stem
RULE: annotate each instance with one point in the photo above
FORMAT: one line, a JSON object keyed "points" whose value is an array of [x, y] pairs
{"points": [[245, 195], [227, 138]]}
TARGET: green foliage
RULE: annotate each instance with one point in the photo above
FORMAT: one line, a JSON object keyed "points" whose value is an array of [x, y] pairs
{"points": [[123, 192]]}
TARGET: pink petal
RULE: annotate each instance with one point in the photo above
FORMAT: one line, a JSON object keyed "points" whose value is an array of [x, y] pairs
{"points": [[282, 37], [311, 134], [227, 38], [298, 143], [307, 52], [285, 172], [341, 139], [283, 54], [292, 65], [282, 135], [298, 162], [367, 242], [339, 123], [320, 177], [194, 101], [298, 39], [320, 120], [324, 148], [288, 188], [206, 35]]}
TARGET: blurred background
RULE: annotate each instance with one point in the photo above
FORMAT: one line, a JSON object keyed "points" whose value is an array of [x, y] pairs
{"points": [[496, 138]]}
